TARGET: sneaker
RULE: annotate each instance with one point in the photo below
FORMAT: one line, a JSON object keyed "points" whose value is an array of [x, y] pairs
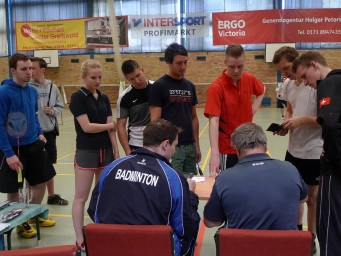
{"points": [[56, 199], [43, 222], [314, 249], [26, 231]]}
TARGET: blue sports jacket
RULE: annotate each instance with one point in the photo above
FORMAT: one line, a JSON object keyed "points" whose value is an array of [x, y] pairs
{"points": [[143, 189], [15, 98]]}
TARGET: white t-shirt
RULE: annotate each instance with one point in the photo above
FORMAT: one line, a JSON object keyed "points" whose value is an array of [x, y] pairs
{"points": [[305, 142]]}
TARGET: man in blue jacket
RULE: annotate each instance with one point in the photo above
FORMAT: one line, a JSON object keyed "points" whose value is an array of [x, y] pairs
{"points": [[20, 132], [143, 189]]}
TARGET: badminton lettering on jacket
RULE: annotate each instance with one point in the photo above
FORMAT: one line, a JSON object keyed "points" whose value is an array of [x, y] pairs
{"points": [[135, 176]]}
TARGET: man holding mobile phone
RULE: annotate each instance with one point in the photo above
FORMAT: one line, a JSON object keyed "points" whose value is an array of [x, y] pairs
{"points": [[305, 142]]}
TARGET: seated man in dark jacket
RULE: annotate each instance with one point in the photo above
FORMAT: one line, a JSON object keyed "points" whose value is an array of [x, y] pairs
{"points": [[257, 193], [143, 188]]}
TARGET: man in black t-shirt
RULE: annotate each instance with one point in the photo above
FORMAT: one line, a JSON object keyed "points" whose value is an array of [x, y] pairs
{"points": [[132, 105], [174, 98]]}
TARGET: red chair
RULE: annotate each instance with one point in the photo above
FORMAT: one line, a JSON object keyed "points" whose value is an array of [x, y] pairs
{"points": [[63, 250], [245, 242], [126, 240]]}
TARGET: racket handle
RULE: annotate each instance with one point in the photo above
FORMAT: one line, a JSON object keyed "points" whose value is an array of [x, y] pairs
{"points": [[19, 175]]}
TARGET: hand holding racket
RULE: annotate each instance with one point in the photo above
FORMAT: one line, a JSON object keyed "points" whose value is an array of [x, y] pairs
{"points": [[14, 163], [16, 127]]}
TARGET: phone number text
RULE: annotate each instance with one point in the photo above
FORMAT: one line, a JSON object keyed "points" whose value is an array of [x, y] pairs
{"points": [[319, 32]]}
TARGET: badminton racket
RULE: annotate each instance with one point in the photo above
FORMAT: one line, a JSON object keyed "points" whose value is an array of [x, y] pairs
{"points": [[16, 127]]}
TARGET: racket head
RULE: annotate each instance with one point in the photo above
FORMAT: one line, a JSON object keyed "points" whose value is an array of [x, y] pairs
{"points": [[16, 124]]}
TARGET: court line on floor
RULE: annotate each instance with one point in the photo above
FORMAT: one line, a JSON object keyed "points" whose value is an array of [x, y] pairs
{"points": [[65, 215], [63, 157], [202, 131], [202, 227]]}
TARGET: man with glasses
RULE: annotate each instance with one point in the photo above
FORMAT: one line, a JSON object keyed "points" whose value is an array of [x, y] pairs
{"points": [[313, 69], [305, 143]]}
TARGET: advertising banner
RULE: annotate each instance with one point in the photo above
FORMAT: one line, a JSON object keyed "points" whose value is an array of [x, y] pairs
{"points": [[170, 26], [292, 25], [69, 34]]}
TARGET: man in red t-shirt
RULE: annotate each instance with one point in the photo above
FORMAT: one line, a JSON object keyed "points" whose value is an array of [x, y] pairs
{"points": [[228, 105]]}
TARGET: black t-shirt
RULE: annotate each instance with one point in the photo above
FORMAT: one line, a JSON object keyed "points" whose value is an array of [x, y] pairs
{"points": [[83, 102], [176, 98], [329, 114]]}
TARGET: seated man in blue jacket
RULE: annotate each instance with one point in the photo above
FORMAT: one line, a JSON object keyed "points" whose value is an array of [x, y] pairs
{"points": [[143, 188]]}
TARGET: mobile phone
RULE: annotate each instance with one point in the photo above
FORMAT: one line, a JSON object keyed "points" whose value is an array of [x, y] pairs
{"points": [[275, 127]]}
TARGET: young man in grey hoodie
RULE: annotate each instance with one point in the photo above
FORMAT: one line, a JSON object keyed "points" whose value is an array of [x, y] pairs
{"points": [[50, 104]]}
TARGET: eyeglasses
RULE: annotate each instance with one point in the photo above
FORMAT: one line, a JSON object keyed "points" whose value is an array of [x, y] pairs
{"points": [[304, 74]]}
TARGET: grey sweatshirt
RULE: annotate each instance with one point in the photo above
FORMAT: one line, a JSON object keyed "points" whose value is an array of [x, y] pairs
{"points": [[56, 103]]}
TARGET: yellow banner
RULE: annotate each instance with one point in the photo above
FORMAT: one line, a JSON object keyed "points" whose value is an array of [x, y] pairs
{"points": [[61, 35], [70, 34]]}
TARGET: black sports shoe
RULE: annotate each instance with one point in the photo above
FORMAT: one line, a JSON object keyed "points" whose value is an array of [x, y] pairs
{"points": [[56, 199], [314, 250]]}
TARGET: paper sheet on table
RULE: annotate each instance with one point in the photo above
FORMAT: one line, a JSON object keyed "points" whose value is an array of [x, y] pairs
{"points": [[4, 226], [198, 179]]}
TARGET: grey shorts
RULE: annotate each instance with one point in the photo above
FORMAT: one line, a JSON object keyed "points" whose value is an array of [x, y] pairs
{"points": [[93, 159]]}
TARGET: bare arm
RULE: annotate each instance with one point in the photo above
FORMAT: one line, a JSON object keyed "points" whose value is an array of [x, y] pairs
{"points": [[212, 224], [256, 103], [88, 127], [122, 134], [112, 136], [155, 113], [195, 124], [214, 138]]}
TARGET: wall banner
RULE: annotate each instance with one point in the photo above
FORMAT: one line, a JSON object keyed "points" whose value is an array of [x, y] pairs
{"points": [[170, 26], [292, 25], [69, 34]]}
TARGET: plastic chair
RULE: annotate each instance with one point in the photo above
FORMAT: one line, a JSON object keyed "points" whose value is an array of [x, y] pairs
{"points": [[123, 240], [245, 242]]}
